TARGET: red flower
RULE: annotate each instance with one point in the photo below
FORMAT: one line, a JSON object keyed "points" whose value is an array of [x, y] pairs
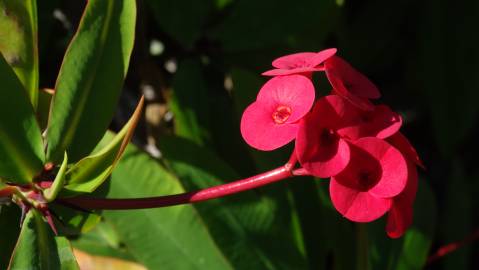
{"points": [[399, 141], [376, 172], [271, 121], [300, 63], [320, 150], [350, 83]]}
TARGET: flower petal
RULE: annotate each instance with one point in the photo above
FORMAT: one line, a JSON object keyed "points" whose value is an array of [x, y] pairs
{"points": [[343, 76], [261, 132], [394, 172], [400, 141], [294, 91], [306, 71], [380, 123], [401, 214], [357, 205]]}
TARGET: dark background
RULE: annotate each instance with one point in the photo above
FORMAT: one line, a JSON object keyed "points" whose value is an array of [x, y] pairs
{"points": [[423, 55]]}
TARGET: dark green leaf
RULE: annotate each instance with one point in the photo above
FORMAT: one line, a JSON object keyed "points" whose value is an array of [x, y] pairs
{"points": [[164, 238], [38, 248], [90, 172], [91, 77], [184, 20], [18, 42], [10, 228], [21, 144]]}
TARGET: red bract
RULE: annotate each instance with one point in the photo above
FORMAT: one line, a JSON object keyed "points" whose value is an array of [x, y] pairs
{"points": [[399, 141], [380, 122], [376, 172], [350, 83], [300, 63], [401, 213], [320, 150], [270, 121]]}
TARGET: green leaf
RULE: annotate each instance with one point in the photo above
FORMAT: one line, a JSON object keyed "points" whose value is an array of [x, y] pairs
{"points": [[90, 172], [21, 144], [38, 248], [91, 78], [248, 226], [9, 226], [163, 238], [18, 42], [103, 240]]}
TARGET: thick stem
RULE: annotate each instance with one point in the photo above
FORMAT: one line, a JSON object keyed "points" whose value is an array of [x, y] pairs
{"points": [[183, 198]]}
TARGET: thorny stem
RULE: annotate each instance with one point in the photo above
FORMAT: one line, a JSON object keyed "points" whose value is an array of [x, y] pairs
{"points": [[219, 191]]}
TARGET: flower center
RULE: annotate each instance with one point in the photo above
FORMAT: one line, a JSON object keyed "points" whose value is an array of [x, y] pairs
{"points": [[327, 137], [281, 114], [366, 180]]}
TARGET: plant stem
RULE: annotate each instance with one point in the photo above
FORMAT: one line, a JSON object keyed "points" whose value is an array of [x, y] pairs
{"points": [[362, 247], [219, 191]]}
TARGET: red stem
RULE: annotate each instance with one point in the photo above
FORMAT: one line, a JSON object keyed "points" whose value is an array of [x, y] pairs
{"points": [[446, 249], [183, 198]]}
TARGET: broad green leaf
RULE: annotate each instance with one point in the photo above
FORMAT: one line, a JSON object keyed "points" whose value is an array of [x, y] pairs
{"points": [[21, 144], [38, 248], [9, 226], [248, 226], [103, 240], [18, 42], [92, 171], [91, 78], [163, 238]]}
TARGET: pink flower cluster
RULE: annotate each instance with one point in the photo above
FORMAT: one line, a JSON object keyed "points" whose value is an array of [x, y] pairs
{"points": [[343, 136]]}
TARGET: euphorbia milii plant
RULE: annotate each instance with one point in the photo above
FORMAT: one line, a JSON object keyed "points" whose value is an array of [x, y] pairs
{"points": [[58, 162]]}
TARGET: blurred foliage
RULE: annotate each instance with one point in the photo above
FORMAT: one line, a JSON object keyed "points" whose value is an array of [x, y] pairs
{"points": [[198, 64]]}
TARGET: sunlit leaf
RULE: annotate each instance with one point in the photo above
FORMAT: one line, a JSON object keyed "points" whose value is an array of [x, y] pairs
{"points": [[91, 78], [163, 238], [18, 42], [92, 171], [38, 248], [21, 144]]}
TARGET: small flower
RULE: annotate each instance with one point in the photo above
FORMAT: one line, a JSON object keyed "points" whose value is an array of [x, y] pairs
{"points": [[300, 63], [271, 121], [319, 148], [376, 172], [350, 83]]}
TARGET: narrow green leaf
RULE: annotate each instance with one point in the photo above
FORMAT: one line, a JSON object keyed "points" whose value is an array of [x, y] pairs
{"points": [[18, 42], [38, 248], [90, 79], [52, 192], [21, 144], [162, 238], [92, 171]]}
